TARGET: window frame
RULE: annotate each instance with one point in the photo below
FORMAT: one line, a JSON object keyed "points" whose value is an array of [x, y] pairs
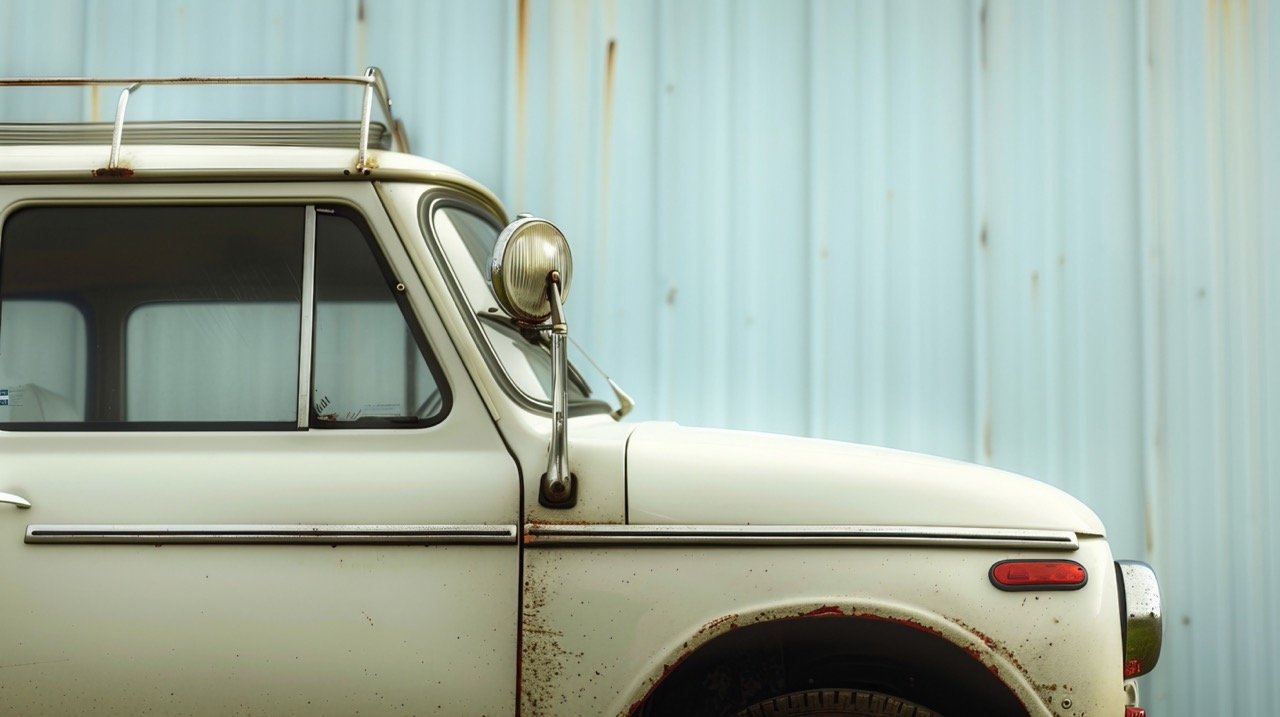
{"points": [[440, 198], [407, 315], [304, 420]]}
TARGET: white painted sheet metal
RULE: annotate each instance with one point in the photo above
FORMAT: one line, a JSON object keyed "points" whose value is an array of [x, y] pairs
{"points": [[1037, 235]]}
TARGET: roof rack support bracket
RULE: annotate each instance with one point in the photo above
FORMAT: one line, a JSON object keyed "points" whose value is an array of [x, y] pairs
{"points": [[366, 110], [113, 168]]}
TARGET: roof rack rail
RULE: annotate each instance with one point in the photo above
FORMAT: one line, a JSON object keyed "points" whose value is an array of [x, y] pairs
{"points": [[372, 80]]}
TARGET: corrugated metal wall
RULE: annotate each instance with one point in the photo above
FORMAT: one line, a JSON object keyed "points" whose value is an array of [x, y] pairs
{"points": [[1037, 235]]}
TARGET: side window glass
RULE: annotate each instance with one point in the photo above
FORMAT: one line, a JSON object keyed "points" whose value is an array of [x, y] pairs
{"points": [[213, 361], [43, 361], [371, 368], [151, 317]]}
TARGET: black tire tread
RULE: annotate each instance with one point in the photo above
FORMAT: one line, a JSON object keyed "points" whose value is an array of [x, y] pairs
{"points": [[855, 703]]}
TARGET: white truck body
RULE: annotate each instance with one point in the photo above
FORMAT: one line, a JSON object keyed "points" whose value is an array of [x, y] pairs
{"points": [[413, 570]]}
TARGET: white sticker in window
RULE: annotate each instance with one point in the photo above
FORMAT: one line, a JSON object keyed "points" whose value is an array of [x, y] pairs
{"points": [[13, 397], [379, 409]]}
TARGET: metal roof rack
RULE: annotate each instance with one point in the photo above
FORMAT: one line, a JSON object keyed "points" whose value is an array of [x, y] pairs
{"points": [[259, 133], [372, 80]]}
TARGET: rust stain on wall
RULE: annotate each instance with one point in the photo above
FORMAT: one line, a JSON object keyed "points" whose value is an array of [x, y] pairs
{"points": [[610, 69], [522, 94], [982, 30], [606, 149], [361, 35]]}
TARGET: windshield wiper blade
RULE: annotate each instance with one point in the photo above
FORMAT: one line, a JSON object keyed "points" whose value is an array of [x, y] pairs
{"points": [[625, 403]]}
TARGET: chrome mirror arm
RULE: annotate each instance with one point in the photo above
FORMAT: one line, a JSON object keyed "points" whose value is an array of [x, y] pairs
{"points": [[558, 488]]}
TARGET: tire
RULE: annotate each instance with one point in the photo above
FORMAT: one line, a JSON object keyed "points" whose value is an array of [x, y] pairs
{"points": [[836, 703]]}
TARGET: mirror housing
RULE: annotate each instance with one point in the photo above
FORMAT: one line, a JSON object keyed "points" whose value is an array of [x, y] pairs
{"points": [[525, 255]]}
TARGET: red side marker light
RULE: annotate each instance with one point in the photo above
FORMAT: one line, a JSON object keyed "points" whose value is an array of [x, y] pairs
{"points": [[1134, 712], [1038, 575]]}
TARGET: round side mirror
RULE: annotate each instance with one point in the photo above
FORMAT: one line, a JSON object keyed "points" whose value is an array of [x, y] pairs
{"points": [[526, 253]]}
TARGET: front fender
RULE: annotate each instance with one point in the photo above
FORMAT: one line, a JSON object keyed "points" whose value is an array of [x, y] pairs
{"points": [[602, 624]]}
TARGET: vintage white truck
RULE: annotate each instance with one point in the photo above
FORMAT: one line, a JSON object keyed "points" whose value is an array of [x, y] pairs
{"points": [[287, 427]]}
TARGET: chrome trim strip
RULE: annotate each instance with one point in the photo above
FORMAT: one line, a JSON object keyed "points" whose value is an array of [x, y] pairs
{"points": [[777, 535], [272, 534], [305, 344]]}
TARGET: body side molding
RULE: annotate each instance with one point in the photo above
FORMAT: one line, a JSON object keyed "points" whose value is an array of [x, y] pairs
{"points": [[538, 534], [272, 534]]}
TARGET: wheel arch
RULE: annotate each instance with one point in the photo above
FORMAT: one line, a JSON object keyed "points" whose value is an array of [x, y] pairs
{"points": [[754, 652]]}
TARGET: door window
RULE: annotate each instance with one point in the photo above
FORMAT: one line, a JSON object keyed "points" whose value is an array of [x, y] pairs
{"points": [[370, 366]]}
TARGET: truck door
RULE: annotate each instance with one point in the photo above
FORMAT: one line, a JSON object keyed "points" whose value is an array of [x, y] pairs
{"points": [[260, 479]]}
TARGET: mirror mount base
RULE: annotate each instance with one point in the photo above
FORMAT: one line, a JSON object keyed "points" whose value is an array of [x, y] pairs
{"points": [[548, 497]]}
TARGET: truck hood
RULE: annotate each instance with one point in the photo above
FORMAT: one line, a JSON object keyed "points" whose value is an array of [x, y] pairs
{"points": [[696, 476]]}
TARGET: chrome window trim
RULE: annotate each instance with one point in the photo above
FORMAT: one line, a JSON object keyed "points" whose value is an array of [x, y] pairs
{"points": [[776, 535], [120, 534], [306, 341]]}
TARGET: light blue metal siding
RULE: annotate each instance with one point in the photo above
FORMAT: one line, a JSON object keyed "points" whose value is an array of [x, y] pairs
{"points": [[1214, 237], [1037, 235]]}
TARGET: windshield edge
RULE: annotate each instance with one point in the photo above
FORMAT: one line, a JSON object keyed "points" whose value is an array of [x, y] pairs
{"points": [[436, 198]]}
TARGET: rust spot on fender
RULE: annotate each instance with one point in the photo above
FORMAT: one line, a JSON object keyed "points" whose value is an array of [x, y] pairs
{"points": [[547, 522], [1044, 688], [986, 639], [825, 611], [904, 622], [113, 172], [730, 618]]}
